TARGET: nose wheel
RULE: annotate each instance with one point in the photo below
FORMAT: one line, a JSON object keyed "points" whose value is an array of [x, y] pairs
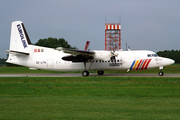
{"points": [[161, 73]]}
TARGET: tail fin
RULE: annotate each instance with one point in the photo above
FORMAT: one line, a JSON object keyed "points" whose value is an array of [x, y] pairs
{"points": [[87, 45], [19, 40]]}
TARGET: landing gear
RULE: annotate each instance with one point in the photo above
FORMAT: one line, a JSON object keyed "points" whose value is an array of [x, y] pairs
{"points": [[161, 73], [100, 72], [85, 73]]}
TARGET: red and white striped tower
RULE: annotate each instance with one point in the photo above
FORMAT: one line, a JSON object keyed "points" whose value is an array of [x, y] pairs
{"points": [[112, 36]]}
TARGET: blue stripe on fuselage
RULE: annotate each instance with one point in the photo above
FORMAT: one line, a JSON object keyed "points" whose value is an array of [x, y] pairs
{"points": [[132, 64]]}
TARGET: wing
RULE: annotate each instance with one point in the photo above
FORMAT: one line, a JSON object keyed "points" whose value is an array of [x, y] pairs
{"points": [[76, 55], [76, 52]]}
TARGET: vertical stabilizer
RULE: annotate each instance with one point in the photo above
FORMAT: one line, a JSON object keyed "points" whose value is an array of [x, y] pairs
{"points": [[19, 39], [87, 45]]}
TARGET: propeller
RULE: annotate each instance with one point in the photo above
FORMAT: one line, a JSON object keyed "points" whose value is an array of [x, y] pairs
{"points": [[113, 56]]}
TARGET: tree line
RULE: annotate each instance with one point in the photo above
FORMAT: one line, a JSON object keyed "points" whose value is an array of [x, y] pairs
{"points": [[2, 60], [54, 43], [173, 54]]}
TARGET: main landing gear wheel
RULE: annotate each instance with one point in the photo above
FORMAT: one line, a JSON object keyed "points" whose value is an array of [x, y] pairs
{"points": [[85, 73], [100, 72], [161, 73]]}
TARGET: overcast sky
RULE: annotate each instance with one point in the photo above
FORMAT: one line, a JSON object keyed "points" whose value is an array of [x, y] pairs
{"points": [[151, 25]]}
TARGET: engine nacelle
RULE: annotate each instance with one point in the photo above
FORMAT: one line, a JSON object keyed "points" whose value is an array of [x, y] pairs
{"points": [[102, 55]]}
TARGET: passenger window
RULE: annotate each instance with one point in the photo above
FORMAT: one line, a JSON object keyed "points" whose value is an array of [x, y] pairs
{"points": [[149, 55]]}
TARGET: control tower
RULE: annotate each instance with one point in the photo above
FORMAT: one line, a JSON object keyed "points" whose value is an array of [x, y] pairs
{"points": [[112, 36]]}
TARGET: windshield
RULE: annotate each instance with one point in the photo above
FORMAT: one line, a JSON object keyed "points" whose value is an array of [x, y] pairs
{"points": [[152, 55]]}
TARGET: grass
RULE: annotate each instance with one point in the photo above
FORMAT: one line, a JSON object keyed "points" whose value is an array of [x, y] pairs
{"points": [[90, 98], [20, 70]]}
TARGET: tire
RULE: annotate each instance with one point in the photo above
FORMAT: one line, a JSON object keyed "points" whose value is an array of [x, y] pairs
{"points": [[85, 73], [100, 72], [161, 73]]}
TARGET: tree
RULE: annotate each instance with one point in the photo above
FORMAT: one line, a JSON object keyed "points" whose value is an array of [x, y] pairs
{"points": [[54, 43], [173, 54], [2, 61]]}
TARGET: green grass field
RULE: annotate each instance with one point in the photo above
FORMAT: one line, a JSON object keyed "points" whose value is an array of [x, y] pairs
{"points": [[90, 98]]}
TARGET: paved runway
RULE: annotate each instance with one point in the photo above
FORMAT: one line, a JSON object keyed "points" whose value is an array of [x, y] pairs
{"points": [[91, 74]]}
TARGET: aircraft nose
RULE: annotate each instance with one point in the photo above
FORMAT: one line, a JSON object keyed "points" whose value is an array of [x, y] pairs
{"points": [[168, 61], [171, 61]]}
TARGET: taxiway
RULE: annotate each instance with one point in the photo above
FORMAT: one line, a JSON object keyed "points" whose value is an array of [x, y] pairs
{"points": [[91, 74]]}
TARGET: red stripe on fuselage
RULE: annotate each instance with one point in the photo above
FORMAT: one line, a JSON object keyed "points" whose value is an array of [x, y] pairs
{"points": [[144, 64], [147, 64], [137, 68]]}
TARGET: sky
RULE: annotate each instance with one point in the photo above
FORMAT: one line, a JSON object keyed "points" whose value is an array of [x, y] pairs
{"points": [[145, 25]]}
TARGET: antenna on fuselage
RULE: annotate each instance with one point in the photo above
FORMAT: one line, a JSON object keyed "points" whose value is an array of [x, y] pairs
{"points": [[127, 47]]}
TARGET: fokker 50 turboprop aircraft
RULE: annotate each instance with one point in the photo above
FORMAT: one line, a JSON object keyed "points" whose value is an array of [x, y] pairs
{"points": [[22, 52]]}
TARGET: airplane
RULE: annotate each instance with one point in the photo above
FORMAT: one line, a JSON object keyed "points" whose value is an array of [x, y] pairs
{"points": [[23, 52]]}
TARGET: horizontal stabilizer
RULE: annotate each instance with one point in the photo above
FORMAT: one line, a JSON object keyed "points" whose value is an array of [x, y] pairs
{"points": [[17, 52]]}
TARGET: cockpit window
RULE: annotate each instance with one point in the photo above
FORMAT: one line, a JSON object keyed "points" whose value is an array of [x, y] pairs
{"points": [[152, 55], [155, 55], [149, 55]]}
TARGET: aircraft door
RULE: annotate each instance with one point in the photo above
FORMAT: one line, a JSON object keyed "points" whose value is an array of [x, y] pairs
{"points": [[50, 63]]}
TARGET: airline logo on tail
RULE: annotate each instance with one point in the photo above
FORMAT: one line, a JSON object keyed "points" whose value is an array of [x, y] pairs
{"points": [[22, 36]]}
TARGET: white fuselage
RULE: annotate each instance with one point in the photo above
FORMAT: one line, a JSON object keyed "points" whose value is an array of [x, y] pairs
{"points": [[51, 59]]}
